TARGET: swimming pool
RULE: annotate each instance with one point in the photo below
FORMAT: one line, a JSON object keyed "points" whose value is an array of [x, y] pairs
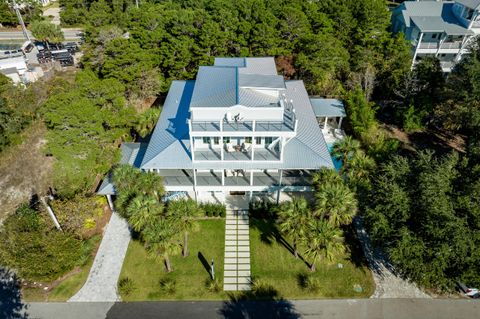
{"points": [[336, 161]]}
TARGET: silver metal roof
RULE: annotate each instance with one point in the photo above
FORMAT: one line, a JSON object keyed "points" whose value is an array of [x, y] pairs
{"points": [[169, 144], [230, 80], [261, 81], [215, 87], [473, 4], [170, 140], [328, 107], [432, 16], [132, 154]]}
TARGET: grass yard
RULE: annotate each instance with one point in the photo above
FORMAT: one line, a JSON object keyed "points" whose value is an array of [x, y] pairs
{"points": [[273, 264], [189, 274]]}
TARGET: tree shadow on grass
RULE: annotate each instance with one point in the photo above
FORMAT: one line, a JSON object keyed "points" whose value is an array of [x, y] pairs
{"points": [[269, 233], [353, 245], [11, 305], [263, 301]]}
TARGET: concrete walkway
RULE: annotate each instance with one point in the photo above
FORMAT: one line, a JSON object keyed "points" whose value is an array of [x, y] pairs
{"points": [[387, 283], [101, 284], [236, 275]]}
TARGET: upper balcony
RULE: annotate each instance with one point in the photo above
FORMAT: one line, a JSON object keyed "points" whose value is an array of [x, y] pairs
{"points": [[289, 125]]}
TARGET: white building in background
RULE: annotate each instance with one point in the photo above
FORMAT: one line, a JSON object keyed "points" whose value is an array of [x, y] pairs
{"points": [[14, 67], [442, 29], [238, 129]]}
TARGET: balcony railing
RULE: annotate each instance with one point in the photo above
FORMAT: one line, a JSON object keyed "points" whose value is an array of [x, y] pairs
{"points": [[287, 125], [428, 45], [451, 45], [445, 45]]}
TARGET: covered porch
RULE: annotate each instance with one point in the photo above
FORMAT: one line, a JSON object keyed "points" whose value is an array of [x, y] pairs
{"points": [[330, 114]]}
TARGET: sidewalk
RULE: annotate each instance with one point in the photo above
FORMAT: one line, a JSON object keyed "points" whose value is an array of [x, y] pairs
{"points": [[101, 284]]}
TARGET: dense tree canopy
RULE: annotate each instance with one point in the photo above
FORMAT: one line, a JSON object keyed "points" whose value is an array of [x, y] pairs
{"points": [[326, 43], [425, 211]]}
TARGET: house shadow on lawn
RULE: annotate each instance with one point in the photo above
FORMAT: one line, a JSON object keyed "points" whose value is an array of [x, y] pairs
{"points": [[262, 302], [11, 305]]}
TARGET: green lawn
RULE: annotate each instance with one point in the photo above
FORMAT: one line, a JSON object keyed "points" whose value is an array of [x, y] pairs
{"points": [[188, 273], [273, 264]]}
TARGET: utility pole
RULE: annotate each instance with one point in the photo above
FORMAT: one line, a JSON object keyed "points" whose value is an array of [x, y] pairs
{"points": [[136, 3], [20, 20]]}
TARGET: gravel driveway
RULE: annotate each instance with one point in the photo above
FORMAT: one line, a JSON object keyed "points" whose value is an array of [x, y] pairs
{"points": [[388, 284]]}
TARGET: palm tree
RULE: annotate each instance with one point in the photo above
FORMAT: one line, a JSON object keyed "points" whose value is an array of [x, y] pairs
{"points": [[124, 177], [336, 203], [360, 166], [161, 240], [322, 240], [345, 149], [325, 176], [151, 184], [294, 215], [143, 210], [146, 121], [184, 210]]}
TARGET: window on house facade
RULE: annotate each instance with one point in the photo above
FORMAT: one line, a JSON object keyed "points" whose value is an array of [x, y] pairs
{"points": [[268, 140], [226, 139], [206, 140], [434, 36], [258, 140], [216, 140], [248, 140]]}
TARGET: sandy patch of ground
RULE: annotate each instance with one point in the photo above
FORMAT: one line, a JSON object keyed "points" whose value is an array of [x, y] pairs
{"points": [[24, 169]]}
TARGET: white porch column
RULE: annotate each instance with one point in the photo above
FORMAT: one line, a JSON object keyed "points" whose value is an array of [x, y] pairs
{"points": [[462, 47], [279, 186], [325, 124], [223, 177], [192, 147], [110, 203], [251, 177], [442, 39], [416, 49], [194, 179], [222, 149], [340, 123], [282, 148]]}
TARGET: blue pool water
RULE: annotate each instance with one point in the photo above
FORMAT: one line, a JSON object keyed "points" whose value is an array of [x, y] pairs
{"points": [[336, 162]]}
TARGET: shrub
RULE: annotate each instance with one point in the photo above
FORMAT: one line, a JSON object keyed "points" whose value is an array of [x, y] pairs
{"points": [[213, 285], [263, 209], [168, 285], [89, 223], [78, 214], [308, 282], [126, 286], [412, 121], [214, 209]]}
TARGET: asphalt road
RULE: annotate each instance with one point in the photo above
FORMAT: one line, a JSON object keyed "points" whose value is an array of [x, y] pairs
{"points": [[70, 34], [338, 309]]}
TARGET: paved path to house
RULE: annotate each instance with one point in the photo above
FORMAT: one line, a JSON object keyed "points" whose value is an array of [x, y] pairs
{"points": [[236, 274], [101, 284], [388, 284]]}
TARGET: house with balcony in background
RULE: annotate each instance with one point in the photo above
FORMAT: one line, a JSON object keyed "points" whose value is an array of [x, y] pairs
{"points": [[238, 129], [442, 29]]}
